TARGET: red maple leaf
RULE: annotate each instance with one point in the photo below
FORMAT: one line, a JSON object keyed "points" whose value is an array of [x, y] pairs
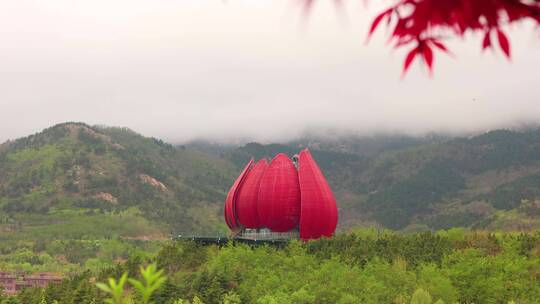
{"points": [[415, 21]]}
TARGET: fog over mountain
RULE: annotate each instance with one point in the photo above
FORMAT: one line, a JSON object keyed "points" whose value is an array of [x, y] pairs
{"points": [[181, 70]]}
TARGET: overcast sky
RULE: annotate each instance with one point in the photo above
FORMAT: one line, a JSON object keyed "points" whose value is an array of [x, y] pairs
{"points": [[184, 69]]}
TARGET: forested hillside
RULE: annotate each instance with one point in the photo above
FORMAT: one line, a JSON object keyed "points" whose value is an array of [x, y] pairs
{"points": [[489, 181], [73, 173], [77, 173], [77, 195]]}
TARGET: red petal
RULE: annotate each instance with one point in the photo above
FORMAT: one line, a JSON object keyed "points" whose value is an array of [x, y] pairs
{"points": [[378, 20], [503, 42], [403, 42], [428, 57], [278, 205], [409, 59], [230, 201], [487, 41], [318, 210], [247, 196], [440, 46], [307, 4]]}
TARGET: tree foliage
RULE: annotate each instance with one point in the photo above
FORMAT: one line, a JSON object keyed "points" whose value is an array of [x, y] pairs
{"points": [[425, 24], [367, 266]]}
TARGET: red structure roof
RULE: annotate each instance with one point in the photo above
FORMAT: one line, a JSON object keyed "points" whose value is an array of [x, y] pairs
{"points": [[319, 211], [248, 196], [281, 197], [230, 213], [11, 283]]}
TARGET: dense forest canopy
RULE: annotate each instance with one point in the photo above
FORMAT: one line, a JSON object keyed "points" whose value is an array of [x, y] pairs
{"points": [[367, 266]]}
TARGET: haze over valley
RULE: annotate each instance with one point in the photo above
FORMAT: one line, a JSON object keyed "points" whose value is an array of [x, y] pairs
{"points": [[244, 70]]}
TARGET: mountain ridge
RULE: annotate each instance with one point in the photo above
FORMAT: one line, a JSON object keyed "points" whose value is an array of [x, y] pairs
{"points": [[75, 166], [488, 181]]}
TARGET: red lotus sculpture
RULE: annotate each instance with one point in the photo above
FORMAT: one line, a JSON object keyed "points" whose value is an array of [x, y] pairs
{"points": [[282, 197]]}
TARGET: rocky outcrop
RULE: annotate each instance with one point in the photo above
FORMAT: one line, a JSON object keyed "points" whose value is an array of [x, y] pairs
{"points": [[104, 196], [147, 179]]}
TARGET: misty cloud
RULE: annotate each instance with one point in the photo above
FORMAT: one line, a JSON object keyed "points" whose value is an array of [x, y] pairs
{"points": [[180, 70]]}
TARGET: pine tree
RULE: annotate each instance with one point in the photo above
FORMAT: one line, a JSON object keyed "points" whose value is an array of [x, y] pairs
{"points": [[196, 300], [421, 296], [42, 300]]}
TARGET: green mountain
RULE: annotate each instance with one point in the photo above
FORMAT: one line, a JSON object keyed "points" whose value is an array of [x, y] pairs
{"points": [[489, 181], [75, 181]]}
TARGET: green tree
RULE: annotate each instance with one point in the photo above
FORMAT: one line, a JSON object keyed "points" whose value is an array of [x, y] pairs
{"points": [[231, 298], [421, 296], [152, 280], [196, 300], [42, 300], [116, 290]]}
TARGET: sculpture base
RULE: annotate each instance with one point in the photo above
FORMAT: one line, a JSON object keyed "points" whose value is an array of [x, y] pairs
{"points": [[267, 234]]}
